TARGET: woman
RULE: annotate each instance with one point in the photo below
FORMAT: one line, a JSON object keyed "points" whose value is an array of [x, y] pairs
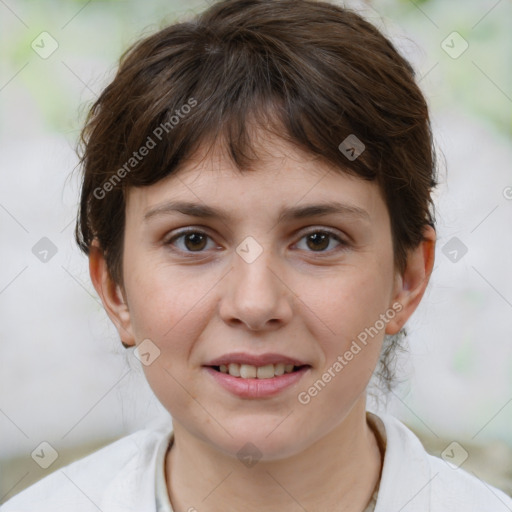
{"points": [[256, 212]]}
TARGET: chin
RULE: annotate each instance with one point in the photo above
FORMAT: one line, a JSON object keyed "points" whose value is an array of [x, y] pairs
{"points": [[253, 439]]}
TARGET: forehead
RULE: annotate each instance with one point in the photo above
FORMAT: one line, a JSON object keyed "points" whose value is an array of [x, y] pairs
{"points": [[280, 176]]}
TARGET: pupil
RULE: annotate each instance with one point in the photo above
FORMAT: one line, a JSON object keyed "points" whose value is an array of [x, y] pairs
{"points": [[322, 237], [194, 238]]}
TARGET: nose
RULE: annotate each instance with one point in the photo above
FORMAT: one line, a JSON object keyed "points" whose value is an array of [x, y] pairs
{"points": [[255, 294]]}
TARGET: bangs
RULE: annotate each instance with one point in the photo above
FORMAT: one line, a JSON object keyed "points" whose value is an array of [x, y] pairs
{"points": [[214, 95]]}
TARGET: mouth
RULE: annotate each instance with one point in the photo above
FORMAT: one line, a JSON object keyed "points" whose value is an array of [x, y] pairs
{"points": [[268, 371], [257, 382]]}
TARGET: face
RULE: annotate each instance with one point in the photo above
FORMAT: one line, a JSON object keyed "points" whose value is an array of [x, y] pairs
{"points": [[266, 277]]}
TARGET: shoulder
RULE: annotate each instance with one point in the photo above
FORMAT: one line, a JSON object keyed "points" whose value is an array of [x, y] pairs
{"points": [[456, 489], [414, 480], [118, 477]]}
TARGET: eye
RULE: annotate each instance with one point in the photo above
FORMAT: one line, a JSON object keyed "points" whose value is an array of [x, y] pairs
{"points": [[193, 240], [319, 240]]}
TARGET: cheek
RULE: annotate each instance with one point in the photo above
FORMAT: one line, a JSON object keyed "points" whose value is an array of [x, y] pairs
{"points": [[166, 306], [350, 302], [350, 340], [344, 316], [171, 311]]}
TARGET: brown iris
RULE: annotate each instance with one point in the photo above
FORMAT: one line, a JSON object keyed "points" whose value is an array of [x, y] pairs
{"points": [[197, 240], [318, 240]]}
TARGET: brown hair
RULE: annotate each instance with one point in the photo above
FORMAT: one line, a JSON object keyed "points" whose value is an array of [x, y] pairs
{"points": [[314, 72]]}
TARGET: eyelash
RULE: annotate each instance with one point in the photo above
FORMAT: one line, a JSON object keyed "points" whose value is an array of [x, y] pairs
{"points": [[343, 245]]}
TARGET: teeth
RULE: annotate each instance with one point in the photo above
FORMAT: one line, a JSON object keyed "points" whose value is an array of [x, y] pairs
{"points": [[265, 372], [234, 370], [248, 371], [279, 369]]}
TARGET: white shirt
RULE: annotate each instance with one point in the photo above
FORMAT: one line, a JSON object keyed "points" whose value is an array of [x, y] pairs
{"points": [[128, 476]]}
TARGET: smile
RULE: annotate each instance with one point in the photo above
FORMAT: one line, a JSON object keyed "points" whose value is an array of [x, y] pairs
{"points": [[249, 371], [256, 382]]}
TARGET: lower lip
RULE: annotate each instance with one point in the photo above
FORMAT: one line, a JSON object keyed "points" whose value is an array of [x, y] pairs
{"points": [[257, 388]]}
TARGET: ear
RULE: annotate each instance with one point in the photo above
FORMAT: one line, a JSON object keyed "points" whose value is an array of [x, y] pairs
{"points": [[111, 294], [410, 287]]}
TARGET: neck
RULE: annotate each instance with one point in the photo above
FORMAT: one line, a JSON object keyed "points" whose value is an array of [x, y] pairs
{"points": [[338, 472]]}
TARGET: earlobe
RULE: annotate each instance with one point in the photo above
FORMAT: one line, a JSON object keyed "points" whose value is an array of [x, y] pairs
{"points": [[111, 294], [410, 287]]}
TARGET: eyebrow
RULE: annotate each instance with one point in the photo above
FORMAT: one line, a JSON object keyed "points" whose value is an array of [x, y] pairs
{"points": [[287, 214]]}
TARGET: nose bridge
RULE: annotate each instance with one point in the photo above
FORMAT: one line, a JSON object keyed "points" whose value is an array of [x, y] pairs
{"points": [[257, 295], [254, 269]]}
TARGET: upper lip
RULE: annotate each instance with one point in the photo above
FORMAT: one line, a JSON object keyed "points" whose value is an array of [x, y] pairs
{"points": [[254, 360]]}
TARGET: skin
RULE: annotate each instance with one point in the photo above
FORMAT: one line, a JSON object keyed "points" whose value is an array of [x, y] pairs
{"points": [[308, 301]]}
